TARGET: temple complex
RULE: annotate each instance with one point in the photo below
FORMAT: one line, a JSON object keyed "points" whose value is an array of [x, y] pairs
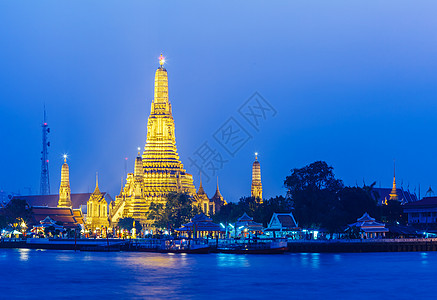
{"points": [[256, 190], [64, 189], [158, 171]]}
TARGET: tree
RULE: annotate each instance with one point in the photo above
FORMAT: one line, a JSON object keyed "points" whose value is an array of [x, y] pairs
{"points": [[313, 190], [178, 209], [16, 209], [128, 224]]}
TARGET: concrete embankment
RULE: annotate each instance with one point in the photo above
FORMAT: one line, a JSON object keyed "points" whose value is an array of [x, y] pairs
{"points": [[377, 245]]}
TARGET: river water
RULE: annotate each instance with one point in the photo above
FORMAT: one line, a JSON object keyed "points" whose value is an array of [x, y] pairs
{"points": [[51, 274]]}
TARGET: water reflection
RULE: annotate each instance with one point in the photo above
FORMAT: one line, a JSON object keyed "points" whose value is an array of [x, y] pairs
{"points": [[311, 260], [24, 254], [424, 257], [232, 260]]}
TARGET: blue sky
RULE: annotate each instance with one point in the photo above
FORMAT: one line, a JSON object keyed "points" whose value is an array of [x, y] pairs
{"points": [[353, 83]]}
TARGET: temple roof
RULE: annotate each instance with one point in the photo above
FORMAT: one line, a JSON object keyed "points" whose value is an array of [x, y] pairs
{"points": [[404, 195], [52, 200], [365, 218], [425, 202], [200, 222], [244, 217], [58, 214]]}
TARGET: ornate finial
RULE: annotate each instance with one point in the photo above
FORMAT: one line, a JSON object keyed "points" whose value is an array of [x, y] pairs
{"points": [[97, 179], [139, 149], [65, 158], [161, 60], [394, 168], [256, 155]]}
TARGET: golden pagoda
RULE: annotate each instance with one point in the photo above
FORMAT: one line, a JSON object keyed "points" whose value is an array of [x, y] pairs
{"points": [[64, 189], [97, 210], [394, 192], [158, 171], [256, 190]]}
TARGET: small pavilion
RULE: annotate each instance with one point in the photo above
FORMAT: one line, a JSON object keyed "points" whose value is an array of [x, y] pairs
{"points": [[245, 225], [369, 228], [200, 226]]}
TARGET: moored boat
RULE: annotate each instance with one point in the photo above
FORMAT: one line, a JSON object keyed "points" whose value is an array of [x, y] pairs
{"points": [[191, 246], [255, 247]]}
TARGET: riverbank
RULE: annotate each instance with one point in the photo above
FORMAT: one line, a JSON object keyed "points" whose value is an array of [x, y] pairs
{"points": [[294, 246]]}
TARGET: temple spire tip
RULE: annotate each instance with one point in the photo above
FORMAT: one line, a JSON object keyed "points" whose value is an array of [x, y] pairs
{"points": [[161, 60]]}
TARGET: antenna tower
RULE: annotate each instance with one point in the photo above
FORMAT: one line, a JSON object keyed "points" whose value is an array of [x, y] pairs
{"points": [[45, 182]]}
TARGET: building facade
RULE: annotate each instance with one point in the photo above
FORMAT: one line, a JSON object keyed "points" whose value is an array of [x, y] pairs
{"points": [[97, 211]]}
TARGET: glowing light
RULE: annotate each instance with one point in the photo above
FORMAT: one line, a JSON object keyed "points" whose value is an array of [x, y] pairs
{"points": [[161, 60], [65, 156], [256, 153]]}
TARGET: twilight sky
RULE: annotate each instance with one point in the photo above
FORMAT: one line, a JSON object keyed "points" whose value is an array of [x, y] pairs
{"points": [[352, 83]]}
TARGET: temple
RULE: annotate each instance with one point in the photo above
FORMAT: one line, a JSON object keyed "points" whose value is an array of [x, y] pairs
{"points": [[256, 190], [207, 205], [64, 189], [158, 171], [97, 210]]}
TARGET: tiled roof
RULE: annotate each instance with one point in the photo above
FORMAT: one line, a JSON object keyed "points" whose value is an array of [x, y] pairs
{"points": [[52, 200], [286, 221], [58, 214], [404, 196], [244, 217], [425, 202]]}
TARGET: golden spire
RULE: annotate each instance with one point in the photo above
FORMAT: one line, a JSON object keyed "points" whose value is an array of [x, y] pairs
{"points": [[200, 190], [158, 169], [256, 189], [217, 191], [394, 193], [64, 189], [97, 190]]}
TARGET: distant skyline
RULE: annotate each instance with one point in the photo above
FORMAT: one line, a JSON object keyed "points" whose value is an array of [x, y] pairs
{"points": [[353, 84]]}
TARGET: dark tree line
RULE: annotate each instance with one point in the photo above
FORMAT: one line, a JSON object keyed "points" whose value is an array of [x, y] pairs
{"points": [[317, 199]]}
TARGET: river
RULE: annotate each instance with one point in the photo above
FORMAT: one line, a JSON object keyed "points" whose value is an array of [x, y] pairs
{"points": [[51, 274]]}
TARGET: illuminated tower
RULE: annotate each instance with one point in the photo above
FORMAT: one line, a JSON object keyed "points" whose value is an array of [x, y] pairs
{"points": [[64, 189], [44, 181], [256, 190], [394, 193], [158, 171]]}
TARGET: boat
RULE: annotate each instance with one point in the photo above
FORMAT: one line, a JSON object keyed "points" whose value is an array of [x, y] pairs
{"points": [[257, 246], [72, 244], [191, 246]]}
